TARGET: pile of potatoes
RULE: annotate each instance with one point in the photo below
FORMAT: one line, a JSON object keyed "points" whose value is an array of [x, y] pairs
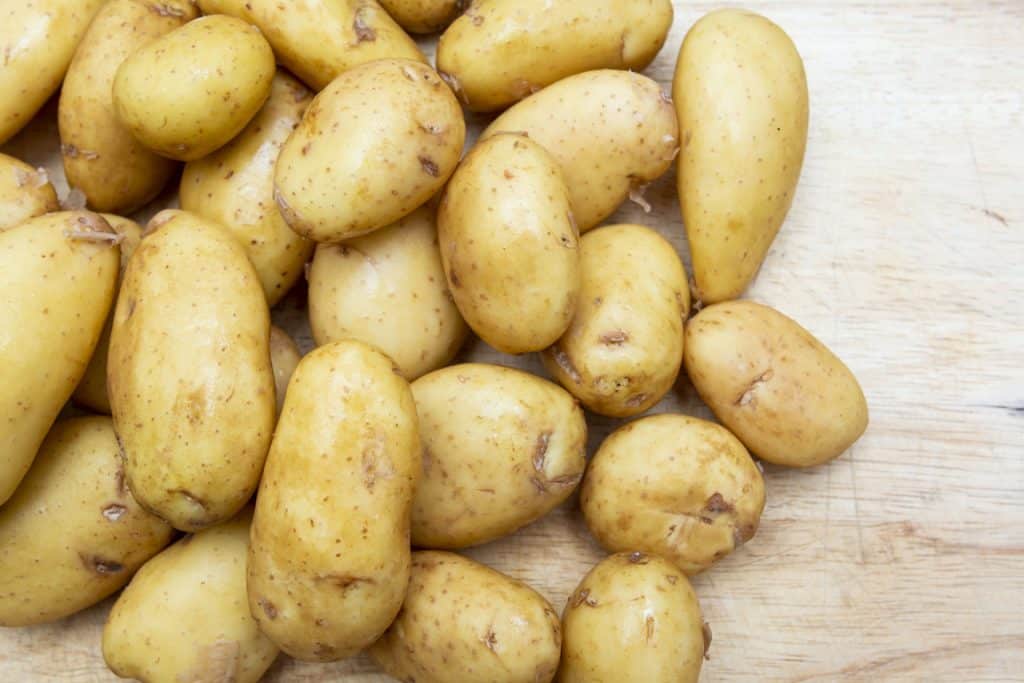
{"points": [[324, 498]]}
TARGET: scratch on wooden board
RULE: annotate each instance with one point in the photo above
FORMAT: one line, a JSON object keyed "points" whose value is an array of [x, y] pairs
{"points": [[1017, 410], [996, 215], [856, 503]]}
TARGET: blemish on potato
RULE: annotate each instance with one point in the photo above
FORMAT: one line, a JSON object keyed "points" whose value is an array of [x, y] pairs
{"points": [[113, 512], [706, 632], [638, 558], [614, 338], [563, 361], [100, 565], [429, 166], [268, 608], [364, 32], [717, 504], [583, 598]]}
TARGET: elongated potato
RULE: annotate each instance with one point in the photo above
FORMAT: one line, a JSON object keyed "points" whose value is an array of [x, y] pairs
{"points": [[57, 278], [184, 617], [462, 621], [612, 132], [374, 145], [101, 157], [423, 16], [72, 534], [317, 40], [388, 289], [634, 617], [741, 96], [623, 349], [25, 192], [773, 384], [284, 357], [189, 375], [329, 562], [509, 245], [501, 448], [500, 51]]}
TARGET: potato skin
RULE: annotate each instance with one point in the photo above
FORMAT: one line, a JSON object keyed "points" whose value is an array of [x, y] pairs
{"points": [[25, 192], [184, 617], [284, 358], [170, 99], [509, 246], [463, 621], [374, 145], [501, 51], [72, 534], [501, 448], [329, 562], [634, 617], [782, 392], [623, 349], [388, 290], [189, 375], [317, 40], [424, 16], [48, 335], [741, 96], [705, 501], [612, 132]]}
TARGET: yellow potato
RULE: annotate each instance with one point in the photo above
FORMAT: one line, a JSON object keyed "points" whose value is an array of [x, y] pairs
{"points": [[25, 192], [501, 51], [388, 289], [319, 39], [375, 144], [329, 561], [284, 357], [169, 97], [58, 273], [184, 617], [509, 245], [773, 384], [101, 157], [235, 187], [623, 350], [612, 132], [633, 617], [682, 488], [189, 375], [37, 41], [501, 448], [462, 621], [72, 534], [741, 95], [423, 16]]}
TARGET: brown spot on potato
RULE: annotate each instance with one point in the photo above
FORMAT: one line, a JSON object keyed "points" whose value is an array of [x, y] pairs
{"points": [[638, 558], [100, 565], [562, 360], [718, 504], [345, 581], [453, 278], [490, 640], [364, 32], [113, 512], [429, 166], [583, 598], [636, 400], [671, 578], [540, 451], [614, 338], [268, 608], [648, 629], [164, 10], [742, 534]]}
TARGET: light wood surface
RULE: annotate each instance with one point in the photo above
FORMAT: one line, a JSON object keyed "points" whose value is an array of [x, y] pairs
{"points": [[904, 252]]}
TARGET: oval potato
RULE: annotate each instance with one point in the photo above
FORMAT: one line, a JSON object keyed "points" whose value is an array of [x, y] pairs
{"points": [[25, 192], [423, 16], [284, 357]]}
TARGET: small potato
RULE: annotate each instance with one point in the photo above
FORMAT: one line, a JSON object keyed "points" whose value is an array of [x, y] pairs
{"points": [[633, 617], [101, 157], [463, 622], [25, 192], [500, 51], [317, 40], [329, 562], [623, 350], [184, 617], [509, 245], [374, 145], [169, 97], [284, 357], [388, 289], [501, 448], [72, 534], [58, 274], [780, 390], [703, 501], [424, 16], [189, 375]]}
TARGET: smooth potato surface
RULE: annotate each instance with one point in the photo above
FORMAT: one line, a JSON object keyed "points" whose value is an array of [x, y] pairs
{"points": [[284, 357], [25, 192], [423, 16]]}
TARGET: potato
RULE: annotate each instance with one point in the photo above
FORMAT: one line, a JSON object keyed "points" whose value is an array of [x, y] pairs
{"points": [[37, 40], [167, 95], [284, 357], [57, 278], [500, 51], [741, 95], [623, 349], [464, 622], [424, 16], [319, 39], [101, 157], [501, 448], [25, 192], [633, 617], [704, 502], [72, 534], [388, 289], [375, 144], [509, 245], [189, 375], [329, 561], [780, 390], [612, 132]]}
